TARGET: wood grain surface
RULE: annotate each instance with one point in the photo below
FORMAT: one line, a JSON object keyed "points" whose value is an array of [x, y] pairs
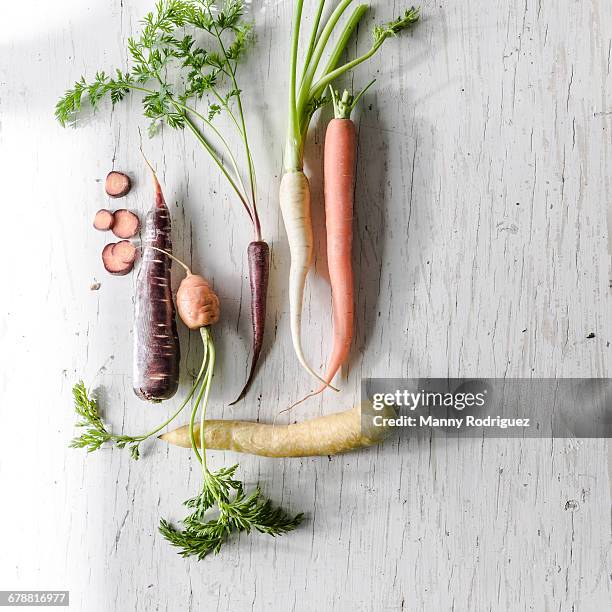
{"points": [[481, 246]]}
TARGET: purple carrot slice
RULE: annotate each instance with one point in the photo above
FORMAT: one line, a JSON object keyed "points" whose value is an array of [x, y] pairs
{"points": [[125, 251], [104, 220], [117, 184], [114, 264], [126, 223]]}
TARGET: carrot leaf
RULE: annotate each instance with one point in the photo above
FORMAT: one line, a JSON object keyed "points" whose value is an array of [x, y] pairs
{"points": [[236, 512], [96, 434], [392, 28], [221, 507]]}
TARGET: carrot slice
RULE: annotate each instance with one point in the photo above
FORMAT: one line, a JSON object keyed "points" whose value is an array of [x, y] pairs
{"points": [[126, 224], [104, 220], [117, 184], [113, 264], [125, 251]]}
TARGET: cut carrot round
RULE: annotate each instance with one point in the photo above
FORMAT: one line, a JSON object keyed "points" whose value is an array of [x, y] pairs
{"points": [[126, 224], [117, 184], [113, 264], [104, 220], [125, 251]]}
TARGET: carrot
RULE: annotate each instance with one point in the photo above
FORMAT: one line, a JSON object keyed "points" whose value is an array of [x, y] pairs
{"points": [[125, 251], [156, 343], [259, 272], [295, 208], [196, 302], [103, 221], [126, 224], [117, 184], [339, 190], [327, 435], [305, 97], [114, 262]]}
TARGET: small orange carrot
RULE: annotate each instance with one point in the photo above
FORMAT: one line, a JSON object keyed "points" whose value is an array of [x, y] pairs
{"points": [[339, 190]]}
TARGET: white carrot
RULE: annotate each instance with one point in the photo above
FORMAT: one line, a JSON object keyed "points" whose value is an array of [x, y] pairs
{"points": [[295, 207]]}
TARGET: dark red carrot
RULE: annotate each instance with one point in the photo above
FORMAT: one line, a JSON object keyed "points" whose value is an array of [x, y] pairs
{"points": [[117, 184], [156, 343], [259, 272], [104, 220], [126, 224]]}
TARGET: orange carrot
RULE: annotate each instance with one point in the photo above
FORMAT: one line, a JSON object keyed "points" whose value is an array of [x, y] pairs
{"points": [[339, 188]]}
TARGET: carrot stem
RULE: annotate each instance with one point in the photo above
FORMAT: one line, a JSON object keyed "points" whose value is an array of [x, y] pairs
{"points": [[223, 169], [345, 37], [223, 141], [242, 127], [314, 38], [381, 33], [293, 152], [173, 258], [304, 98]]}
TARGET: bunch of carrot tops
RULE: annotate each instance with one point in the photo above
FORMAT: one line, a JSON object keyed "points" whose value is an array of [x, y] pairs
{"points": [[188, 86]]}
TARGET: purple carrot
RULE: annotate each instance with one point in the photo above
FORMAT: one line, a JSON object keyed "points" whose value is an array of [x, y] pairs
{"points": [[156, 343], [259, 272]]}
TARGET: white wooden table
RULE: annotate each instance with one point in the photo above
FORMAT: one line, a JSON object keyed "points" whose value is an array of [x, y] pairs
{"points": [[482, 248]]}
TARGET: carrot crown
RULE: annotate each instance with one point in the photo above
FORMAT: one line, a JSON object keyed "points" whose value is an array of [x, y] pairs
{"points": [[345, 104]]}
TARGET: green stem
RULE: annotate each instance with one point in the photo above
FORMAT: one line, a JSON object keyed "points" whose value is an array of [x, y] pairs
{"points": [[245, 140], [304, 98], [219, 163], [228, 110], [223, 141], [243, 137], [313, 38], [345, 37], [319, 87], [293, 160], [210, 373], [179, 410], [196, 405]]}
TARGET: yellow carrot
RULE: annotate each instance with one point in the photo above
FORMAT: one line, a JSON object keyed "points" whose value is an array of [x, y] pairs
{"points": [[327, 435]]}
